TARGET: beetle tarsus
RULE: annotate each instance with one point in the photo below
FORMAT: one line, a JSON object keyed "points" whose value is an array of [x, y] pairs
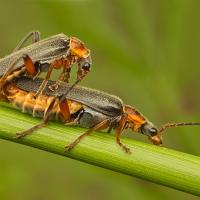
{"points": [[30, 130], [19, 135], [69, 147], [126, 149], [75, 142], [22, 134], [55, 86]]}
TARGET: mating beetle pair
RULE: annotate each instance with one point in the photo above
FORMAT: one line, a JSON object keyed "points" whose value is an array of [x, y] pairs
{"points": [[78, 105]]}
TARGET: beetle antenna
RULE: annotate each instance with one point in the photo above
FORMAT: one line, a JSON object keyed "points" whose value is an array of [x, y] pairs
{"points": [[171, 125]]}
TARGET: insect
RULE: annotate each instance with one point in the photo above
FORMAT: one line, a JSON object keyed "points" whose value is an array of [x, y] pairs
{"points": [[83, 106], [55, 52]]}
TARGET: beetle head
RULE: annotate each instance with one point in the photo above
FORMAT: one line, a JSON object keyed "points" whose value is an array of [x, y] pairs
{"points": [[84, 67], [137, 122], [81, 55], [152, 132]]}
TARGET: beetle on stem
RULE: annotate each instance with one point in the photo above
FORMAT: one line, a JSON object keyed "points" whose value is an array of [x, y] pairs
{"points": [[82, 106]]}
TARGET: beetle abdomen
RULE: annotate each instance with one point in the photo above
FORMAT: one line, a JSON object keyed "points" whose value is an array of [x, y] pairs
{"points": [[26, 102]]}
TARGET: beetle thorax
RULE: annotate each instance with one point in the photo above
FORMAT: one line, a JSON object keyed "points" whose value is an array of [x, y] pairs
{"points": [[134, 118]]}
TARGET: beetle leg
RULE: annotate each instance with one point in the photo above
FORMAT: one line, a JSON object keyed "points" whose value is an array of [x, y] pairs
{"points": [[80, 74], [72, 123], [75, 121], [15, 74], [112, 125], [30, 130], [37, 74], [55, 86], [29, 65], [35, 38], [119, 130], [45, 81], [67, 92], [64, 109], [39, 125], [110, 128], [100, 126], [64, 77]]}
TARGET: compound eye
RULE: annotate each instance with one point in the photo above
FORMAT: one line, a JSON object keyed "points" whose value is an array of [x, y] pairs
{"points": [[86, 66], [153, 132]]}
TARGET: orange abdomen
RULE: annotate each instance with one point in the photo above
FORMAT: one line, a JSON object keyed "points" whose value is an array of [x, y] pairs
{"points": [[26, 102]]}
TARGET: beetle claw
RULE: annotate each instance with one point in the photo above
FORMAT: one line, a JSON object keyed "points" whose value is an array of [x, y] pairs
{"points": [[126, 149], [69, 148], [19, 135]]}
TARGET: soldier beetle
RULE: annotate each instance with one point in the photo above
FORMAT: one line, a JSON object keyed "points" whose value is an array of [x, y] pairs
{"points": [[55, 52], [82, 106]]}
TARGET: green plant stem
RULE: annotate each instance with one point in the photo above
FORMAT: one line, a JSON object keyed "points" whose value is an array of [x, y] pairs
{"points": [[157, 164]]}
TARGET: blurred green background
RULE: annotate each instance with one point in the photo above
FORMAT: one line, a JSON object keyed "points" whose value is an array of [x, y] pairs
{"points": [[146, 52]]}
